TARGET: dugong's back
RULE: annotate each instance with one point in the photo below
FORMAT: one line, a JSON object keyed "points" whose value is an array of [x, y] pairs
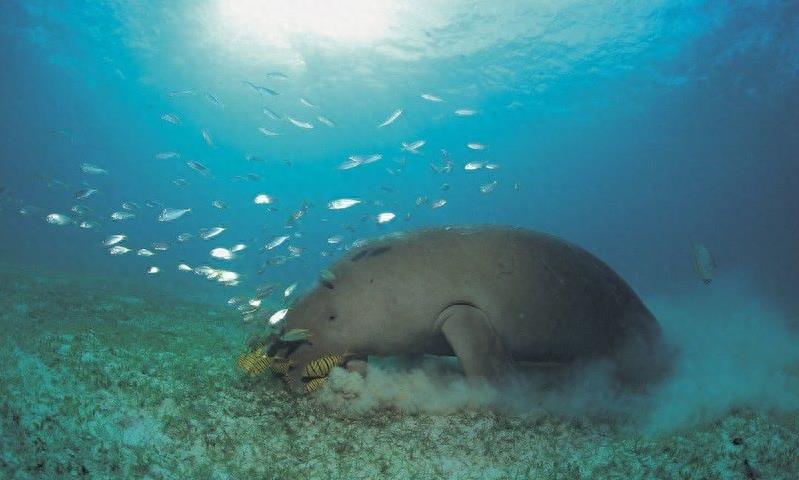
{"points": [[548, 300]]}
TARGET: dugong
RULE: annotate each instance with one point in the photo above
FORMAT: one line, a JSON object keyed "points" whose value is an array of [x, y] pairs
{"points": [[491, 296]]}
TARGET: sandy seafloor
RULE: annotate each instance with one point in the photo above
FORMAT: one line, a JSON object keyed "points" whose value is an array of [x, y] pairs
{"points": [[101, 383]]}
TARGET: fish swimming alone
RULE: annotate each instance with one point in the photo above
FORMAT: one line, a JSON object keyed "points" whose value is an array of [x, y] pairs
{"points": [[704, 263], [543, 300]]}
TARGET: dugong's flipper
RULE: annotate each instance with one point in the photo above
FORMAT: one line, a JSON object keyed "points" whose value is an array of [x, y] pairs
{"points": [[475, 342]]}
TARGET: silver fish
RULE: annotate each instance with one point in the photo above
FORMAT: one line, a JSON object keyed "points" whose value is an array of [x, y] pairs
{"points": [[704, 263], [342, 203], [28, 210], [208, 233], [271, 113], [261, 90], [93, 169], [81, 210], [366, 160], [180, 93], [198, 166], [385, 217], [475, 146], [214, 99], [488, 187], [85, 193], [171, 118], [431, 98], [326, 121], [166, 155], [276, 242], [465, 112], [300, 124], [170, 214], [391, 118], [118, 216], [113, 240], [413, 147], [352, 162], [263, 199], [207, 137], [222, 253], [295, 216], [307, 103], [58, 219], [267, 133]]}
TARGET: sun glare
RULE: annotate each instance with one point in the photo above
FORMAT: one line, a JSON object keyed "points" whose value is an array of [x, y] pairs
{"points": [[280, 22]]}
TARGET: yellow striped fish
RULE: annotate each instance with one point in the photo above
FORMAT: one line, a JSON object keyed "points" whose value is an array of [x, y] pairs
{"points": [[314, 384], [321, 366], [281, 366], [254, 363]]}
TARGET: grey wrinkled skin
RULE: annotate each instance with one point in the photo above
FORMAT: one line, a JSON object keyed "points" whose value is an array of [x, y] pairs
{"points": [[490, 295]]}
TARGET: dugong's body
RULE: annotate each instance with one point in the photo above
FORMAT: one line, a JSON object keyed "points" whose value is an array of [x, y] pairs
{"points": [[489, 295]]}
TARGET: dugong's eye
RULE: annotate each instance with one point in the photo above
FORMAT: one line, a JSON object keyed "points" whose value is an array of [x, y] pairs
{"points": [[331, 317]]}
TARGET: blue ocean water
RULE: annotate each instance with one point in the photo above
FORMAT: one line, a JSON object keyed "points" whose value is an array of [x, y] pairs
{"points": [[634, 129]]}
